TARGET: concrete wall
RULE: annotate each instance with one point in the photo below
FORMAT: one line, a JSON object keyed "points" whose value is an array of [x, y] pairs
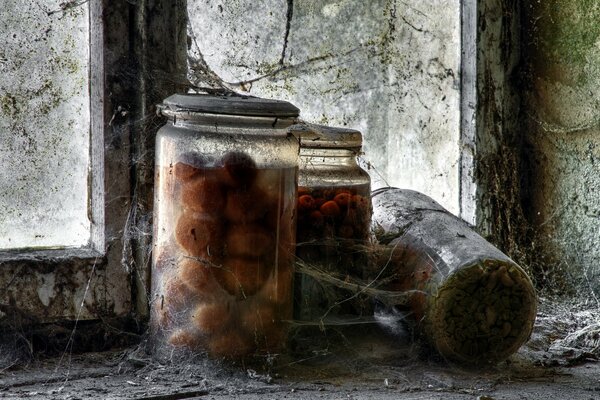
{"points": [[562, 130], [388, 68]]}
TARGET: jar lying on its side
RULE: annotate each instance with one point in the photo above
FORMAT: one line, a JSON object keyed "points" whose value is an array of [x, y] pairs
{"points": [[334, 217], [224, 220]]}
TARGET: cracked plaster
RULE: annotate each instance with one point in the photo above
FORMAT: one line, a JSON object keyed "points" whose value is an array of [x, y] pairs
{"points": [[388, 68]]}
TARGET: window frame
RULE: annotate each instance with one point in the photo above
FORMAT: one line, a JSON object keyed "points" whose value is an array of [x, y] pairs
{"points": [[121, 190], [468, 111], [90, 282]]}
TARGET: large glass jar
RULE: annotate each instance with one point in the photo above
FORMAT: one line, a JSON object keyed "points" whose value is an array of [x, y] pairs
{"points": [[224, 225], [334, 216]]}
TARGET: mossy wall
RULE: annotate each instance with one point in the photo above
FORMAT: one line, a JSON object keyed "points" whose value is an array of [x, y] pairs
{"points": [[561, 127]]}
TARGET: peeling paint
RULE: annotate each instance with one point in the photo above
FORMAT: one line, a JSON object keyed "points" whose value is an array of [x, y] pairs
{"points": [[36, 292], [46, 289]]}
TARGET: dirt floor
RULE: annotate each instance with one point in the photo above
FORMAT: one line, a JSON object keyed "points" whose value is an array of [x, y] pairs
{"points": [[559, 362]]}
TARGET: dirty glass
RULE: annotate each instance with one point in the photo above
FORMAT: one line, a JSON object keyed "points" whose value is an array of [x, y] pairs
{"points": [[44, 124]]}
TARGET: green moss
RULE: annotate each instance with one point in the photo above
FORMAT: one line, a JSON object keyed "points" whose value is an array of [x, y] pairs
{"points": [[14, 105], [52, 99], [568, 30], [9, 105]]}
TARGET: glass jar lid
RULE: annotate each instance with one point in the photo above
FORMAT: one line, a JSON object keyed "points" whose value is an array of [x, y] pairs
{"points": [[181, 104], [325, 137]]}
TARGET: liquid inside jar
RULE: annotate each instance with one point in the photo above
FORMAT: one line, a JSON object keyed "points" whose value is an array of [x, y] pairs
{"points": [[223, 256], [332, 232], [330, 219]]}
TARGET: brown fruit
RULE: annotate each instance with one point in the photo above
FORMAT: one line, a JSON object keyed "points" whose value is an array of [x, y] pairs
{"points": [[230, 345], [164, 261], [171, 301], [184, 172], [184, 338], [174, 292], [239, 169], [250, 240], [201, 235], [210, 318], [195, 275], [244, 206], [242, 277], [204, 194]]}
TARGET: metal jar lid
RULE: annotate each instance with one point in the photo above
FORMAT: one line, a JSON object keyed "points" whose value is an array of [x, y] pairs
{"points": [[325, 137], [180, 105]]}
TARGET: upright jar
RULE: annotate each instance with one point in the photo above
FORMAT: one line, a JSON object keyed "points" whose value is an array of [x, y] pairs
{"points": [[224, 225], [334, 216]]}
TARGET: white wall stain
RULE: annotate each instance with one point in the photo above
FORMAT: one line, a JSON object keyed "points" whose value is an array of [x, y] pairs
{"points": [[46, 290]]}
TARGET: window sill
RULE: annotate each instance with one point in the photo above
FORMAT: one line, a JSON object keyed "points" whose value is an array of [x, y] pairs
{"points": [[53, 256]]}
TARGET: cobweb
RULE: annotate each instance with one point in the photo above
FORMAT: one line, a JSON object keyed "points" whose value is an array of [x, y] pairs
{"points": [[566, 332]]}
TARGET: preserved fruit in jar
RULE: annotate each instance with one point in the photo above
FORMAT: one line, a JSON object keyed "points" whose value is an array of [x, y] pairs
{"points": [[225, 214], [334, 217]]}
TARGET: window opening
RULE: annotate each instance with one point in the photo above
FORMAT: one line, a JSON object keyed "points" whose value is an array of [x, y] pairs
{"points": [[386, 68], [45, 126]]}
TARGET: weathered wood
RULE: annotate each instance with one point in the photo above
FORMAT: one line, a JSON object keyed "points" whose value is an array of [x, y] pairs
{"points": [[471, 301]]}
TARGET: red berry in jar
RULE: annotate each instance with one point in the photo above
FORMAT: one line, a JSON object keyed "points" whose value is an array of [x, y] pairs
{"points": [[342, 199], [306, 203], [330, 209], [316, 219]]}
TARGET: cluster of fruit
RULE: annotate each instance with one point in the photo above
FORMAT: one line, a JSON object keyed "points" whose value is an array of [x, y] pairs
{"points": [[225, 280], [330, 219], [332, 232]]}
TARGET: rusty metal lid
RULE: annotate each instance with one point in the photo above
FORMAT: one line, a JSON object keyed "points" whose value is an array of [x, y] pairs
{"points": [[320, 136], [227, 104]]}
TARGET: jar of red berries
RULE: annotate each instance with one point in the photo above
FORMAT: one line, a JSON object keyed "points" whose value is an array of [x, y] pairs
{"points": [[334, 216], [224, 224]]}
